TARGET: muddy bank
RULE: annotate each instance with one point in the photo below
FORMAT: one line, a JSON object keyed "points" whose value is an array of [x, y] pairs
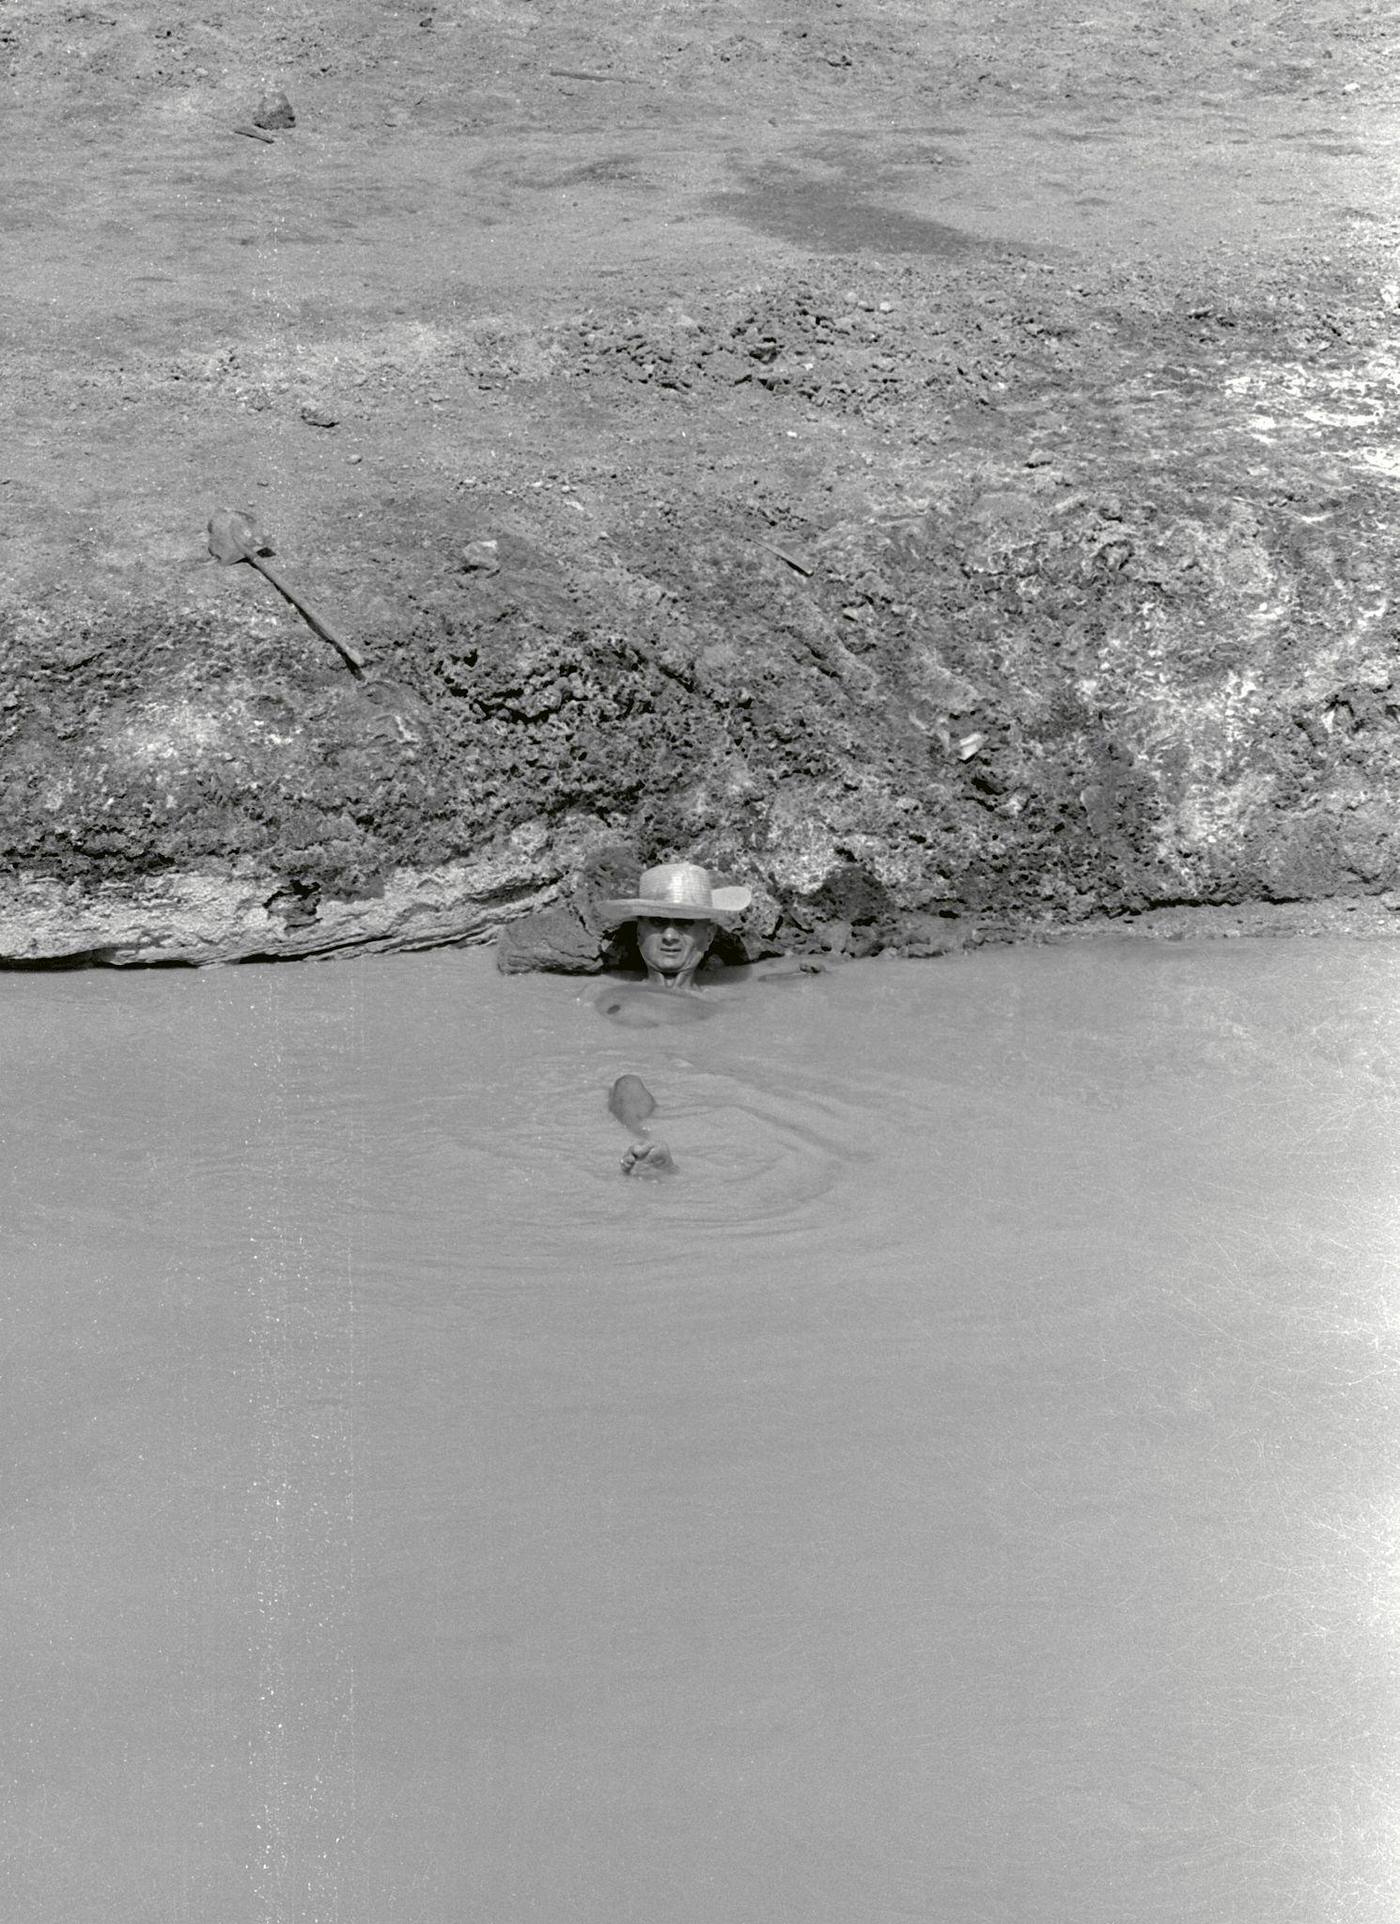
{"points": [[1078, 626], [949, 562]]}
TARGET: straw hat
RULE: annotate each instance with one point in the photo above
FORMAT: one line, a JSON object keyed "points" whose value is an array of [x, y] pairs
{"points": [[676, 892]]}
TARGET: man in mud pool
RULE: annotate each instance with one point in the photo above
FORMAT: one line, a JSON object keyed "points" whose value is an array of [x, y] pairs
{"points": [[678, 913]]}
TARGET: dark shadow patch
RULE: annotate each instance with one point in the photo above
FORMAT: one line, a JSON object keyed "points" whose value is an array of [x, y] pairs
{"points": [[832, 217], [831, 220], [296, 905], [85, 959]]}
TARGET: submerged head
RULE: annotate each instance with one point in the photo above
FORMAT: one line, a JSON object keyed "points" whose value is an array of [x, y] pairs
{"points": [[678, 912], [673, 950]]}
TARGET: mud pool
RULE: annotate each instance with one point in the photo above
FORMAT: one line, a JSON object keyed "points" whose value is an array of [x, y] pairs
{"points": [[967, 1492]]}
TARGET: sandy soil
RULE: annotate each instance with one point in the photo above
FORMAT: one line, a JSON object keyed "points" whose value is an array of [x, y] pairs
{"points": [[664, 311]]}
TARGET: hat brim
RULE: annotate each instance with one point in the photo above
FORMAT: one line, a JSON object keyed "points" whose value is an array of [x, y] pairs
{"points": [[724, 905]]}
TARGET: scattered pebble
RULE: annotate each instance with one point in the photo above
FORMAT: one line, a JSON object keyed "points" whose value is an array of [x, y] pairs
{"points": [[275, 110]]}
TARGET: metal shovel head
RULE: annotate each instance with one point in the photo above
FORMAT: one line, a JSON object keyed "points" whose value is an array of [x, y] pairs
{"points": [[234, 536]]}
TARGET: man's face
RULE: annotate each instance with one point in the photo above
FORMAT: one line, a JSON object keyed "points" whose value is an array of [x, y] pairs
{"points": [[674, 950]]}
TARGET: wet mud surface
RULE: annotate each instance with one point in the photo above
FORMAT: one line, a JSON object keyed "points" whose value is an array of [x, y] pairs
{"points": [[944, 473], [965, 1491]]}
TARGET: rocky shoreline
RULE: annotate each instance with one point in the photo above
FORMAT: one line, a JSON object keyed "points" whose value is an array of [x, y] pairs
{"points": [[196, 920]]}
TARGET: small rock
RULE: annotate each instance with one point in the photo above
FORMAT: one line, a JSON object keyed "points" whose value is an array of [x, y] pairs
{"points": [[275, 111], [553, 939], [319, 417], [969, 746], [481, 558], [922, 934]]}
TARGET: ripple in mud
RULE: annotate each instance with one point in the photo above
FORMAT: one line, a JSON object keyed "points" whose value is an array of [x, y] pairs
{"points": [[639, 1006], [755, 1166]]}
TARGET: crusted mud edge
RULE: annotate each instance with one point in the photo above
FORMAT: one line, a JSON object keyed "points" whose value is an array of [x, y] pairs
{"points": [[194, 920]]}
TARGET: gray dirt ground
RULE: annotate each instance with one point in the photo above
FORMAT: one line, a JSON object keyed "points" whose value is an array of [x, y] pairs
{"points": [[1029, 371]]}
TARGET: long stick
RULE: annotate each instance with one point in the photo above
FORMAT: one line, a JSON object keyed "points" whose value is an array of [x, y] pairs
{"points": [[352, 656], [578, 73]]}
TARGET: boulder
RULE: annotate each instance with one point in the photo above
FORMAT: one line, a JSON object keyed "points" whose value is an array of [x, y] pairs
{"points": [[556, 939]]}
